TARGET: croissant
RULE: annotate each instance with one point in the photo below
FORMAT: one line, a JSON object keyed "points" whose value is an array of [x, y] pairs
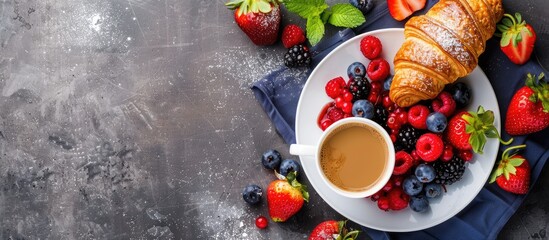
{"points": [[441, 46]]}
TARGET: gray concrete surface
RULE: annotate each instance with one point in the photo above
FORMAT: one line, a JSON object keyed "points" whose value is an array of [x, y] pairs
{"points": [[134, 120]]}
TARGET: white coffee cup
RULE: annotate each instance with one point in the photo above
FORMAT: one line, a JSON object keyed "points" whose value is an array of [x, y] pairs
{"points": [[383, 178]]}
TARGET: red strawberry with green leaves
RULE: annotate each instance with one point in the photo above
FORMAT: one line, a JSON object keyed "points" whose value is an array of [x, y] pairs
{"points": [[259, 19], [285, 197], [528, 110], [332, 230], [469, 130], [513, 172], [517, 38]]}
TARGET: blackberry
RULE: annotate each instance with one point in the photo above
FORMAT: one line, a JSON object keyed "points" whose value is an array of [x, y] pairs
{"points": [[380, 116], [449, 172], [359, 87], [407, 138], [297, 56]]}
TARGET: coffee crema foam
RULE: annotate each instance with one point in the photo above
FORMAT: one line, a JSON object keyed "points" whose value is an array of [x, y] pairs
{"points": [[354, 156]]}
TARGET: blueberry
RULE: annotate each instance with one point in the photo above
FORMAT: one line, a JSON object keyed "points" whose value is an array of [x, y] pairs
{"points": [[363, 108], [419, 203], [433, 190], [387, 83], [271, 159], [363, 5], [412, 186], [461, 94], [356, 69], [436, 122], [252, 194], [425, 173], [289, 165]]}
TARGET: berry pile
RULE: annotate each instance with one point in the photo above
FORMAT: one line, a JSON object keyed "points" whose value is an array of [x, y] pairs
{"points": [[431, 142], [364, 89]]}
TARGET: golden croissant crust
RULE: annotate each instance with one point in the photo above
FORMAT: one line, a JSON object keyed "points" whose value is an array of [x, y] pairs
{"points": [[442, 46]]}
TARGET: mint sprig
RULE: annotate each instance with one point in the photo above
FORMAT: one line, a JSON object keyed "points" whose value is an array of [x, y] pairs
{"points": [[318, 13]]}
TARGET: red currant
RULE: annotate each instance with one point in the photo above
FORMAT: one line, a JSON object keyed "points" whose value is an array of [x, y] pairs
{"points": [[261, 222], [347, 107], [347, 96], [386, 101], [447, 153], [376, 87], [373, 97], [325, 123], [466, 155], [339, 102], [393, 122]]}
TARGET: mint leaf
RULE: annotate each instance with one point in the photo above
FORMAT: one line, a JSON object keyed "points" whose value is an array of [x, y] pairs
{"points": [[346, 15], [326, 15], [315, 29], [306, 8]]}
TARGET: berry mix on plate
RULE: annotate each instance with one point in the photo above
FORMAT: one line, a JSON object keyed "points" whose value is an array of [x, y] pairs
{"points": [[434, 140]]}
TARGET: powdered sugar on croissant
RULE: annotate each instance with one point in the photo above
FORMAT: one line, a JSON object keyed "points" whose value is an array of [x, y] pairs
{"points": [[442, 46]]}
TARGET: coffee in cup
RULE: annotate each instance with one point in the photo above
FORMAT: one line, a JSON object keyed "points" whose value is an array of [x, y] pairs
{"points": [[354, 156]]}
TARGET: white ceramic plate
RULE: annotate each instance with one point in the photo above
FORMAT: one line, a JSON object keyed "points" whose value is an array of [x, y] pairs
{"points": [[364, 211]]}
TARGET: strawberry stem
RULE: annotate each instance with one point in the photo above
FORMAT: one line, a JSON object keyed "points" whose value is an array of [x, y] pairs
{"points": [[507, 151]]}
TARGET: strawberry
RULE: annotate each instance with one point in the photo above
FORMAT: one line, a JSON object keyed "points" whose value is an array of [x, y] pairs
{"points": [[528, 110], [285, 197], [292, 35], [401, 9], [469, 130], [513, 172], [331, 230], [259, 19], [517, 38]]}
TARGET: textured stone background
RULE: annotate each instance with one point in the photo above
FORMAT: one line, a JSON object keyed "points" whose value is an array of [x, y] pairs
{"points": [[134, 119]]}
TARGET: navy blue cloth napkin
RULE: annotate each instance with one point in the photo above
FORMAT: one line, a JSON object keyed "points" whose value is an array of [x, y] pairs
{"points": [[279, 91]]}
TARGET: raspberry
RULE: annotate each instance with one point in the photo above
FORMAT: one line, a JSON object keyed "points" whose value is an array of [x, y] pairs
{"points": [[466, 155], [378, 70], [397, 180], [448, 153], [429, 147], [444, 103], [383, 203], [398, 199], [370, 47], [403, 163], [335, 114], [376, 196], [335, 87], [417, 116], [388, 186], [292, 35]]}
